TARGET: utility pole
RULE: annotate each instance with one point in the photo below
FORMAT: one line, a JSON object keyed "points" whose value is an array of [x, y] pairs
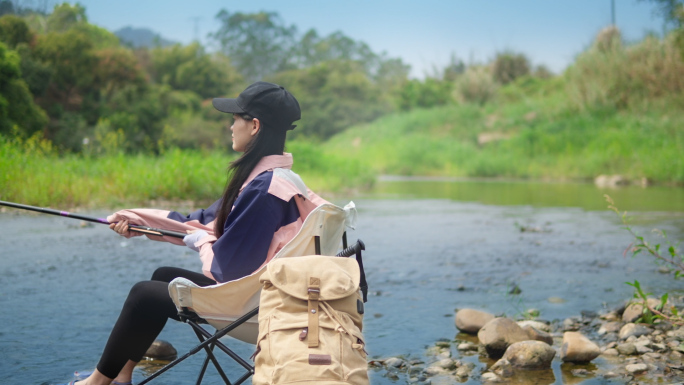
{"points": [[612, 12]]}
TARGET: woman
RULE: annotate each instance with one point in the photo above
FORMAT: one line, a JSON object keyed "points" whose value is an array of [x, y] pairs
{"points": [[262, 208]]}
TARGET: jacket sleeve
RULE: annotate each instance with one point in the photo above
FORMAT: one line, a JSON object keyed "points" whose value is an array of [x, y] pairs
{"points": [[247, 236]]}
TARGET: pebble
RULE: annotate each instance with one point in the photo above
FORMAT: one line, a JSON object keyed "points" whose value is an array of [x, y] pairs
{"points": [[636, 368], [394, 362], [467, 346], [611, 352], [627, 349], [635, 330], [490, 377]]}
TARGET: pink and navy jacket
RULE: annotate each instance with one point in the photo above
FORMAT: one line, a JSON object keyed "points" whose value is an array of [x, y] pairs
{"points": [[269, 211]]}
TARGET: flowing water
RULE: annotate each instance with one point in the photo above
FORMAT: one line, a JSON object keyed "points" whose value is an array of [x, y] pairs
{"points": [[432, 246]]}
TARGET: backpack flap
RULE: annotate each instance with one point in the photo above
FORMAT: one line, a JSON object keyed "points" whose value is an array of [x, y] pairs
{"points": [[339, 277]]}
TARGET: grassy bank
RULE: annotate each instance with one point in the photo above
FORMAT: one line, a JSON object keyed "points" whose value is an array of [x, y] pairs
{"points": [[523, 141], [31, 172]]}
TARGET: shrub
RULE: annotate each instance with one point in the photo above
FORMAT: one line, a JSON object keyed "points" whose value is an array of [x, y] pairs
{"points": [[508, 66], [476, 85]]}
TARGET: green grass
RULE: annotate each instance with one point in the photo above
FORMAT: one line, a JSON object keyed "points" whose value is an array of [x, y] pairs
{"points": [[546, 139], [32, 172]]}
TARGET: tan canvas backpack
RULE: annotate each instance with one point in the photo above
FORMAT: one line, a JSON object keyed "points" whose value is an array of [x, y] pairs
{"points": [[310, 323]]}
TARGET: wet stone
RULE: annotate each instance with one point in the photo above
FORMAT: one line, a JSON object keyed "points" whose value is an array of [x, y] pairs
{"points": [[578, 348], [161, 350], [394, 362], [490, 377], [635, 330], [636, 368], [627, 349], [500, 333], [471, 320], [609, 327], [535, 324], [467, 347], [611, 352]]}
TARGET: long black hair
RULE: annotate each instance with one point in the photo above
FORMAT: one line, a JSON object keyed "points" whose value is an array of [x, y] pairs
{"points": [[267, 141]]}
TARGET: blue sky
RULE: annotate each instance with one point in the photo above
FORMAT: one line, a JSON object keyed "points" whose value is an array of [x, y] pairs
{"points": [[424, 33]]}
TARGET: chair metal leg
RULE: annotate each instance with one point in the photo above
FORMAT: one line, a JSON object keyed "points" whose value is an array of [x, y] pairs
{"points": [[211, 340], [210, 357]]}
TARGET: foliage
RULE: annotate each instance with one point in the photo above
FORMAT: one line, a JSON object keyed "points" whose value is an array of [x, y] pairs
{"points": [[333, 96], [476, 85], [14, 30], [18, 113], [671, 258], [257, 43], [190, 68], [508, 66], [428, 93], [627, 77]]}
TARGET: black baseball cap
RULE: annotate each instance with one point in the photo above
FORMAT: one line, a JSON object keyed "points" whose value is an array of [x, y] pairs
{"points": [[268, 102]]}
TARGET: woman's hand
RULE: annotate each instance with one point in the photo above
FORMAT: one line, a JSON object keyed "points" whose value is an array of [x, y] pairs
{"points": [[121, 227], [193, 237]]}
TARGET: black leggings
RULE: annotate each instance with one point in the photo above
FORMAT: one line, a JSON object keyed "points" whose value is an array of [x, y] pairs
{"points": [[142, 318]]}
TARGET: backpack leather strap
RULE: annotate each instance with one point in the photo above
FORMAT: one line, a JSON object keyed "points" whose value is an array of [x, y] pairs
{"points": [[314, 295]]}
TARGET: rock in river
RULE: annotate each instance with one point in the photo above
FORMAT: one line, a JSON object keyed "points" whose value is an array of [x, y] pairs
{"points": [[161, 350], [471, 320], [635, 330], [578, 348], [530, 355], [500, 333]]}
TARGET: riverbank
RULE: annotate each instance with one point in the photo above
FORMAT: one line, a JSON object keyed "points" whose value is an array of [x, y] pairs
{"points": [[624, 351]]}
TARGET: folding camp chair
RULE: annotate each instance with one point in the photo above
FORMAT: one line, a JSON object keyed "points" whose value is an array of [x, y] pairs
{"points": [[232, 307]]}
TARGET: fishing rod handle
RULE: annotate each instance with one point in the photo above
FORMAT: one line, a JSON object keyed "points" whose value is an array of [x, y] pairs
{"points": [[153, 231]]}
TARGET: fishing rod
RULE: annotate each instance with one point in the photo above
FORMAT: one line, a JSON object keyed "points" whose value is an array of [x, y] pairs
{"points": [[136, 228]]}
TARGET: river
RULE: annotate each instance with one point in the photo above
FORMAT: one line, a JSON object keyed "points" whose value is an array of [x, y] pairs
{"points": [[433, 246]]}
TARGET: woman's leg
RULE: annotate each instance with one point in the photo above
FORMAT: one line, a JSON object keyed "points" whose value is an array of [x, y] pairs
{"points": [[142, 318]]}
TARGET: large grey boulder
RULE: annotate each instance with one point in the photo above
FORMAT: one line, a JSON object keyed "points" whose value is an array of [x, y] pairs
{"points": [[578, 348], [471, 320], [530, 355], [500, 333]]}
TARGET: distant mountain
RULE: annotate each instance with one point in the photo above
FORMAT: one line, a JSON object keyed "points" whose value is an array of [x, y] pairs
{"points": [[142, 37]]}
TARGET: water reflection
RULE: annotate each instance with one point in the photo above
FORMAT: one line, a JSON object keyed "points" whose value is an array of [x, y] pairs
{"points": [[538, 194]]}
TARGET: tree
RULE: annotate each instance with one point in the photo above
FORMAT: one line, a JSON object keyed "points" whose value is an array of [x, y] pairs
{"points": [[16, 102], [14, 30], [334, 95], [190, 68], [258, 44], [670, 11], [64, 16]]}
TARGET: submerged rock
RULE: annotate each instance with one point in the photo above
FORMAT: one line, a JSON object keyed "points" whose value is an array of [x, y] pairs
{"points": [[471, 320], [578, 348], [161, 350]]}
